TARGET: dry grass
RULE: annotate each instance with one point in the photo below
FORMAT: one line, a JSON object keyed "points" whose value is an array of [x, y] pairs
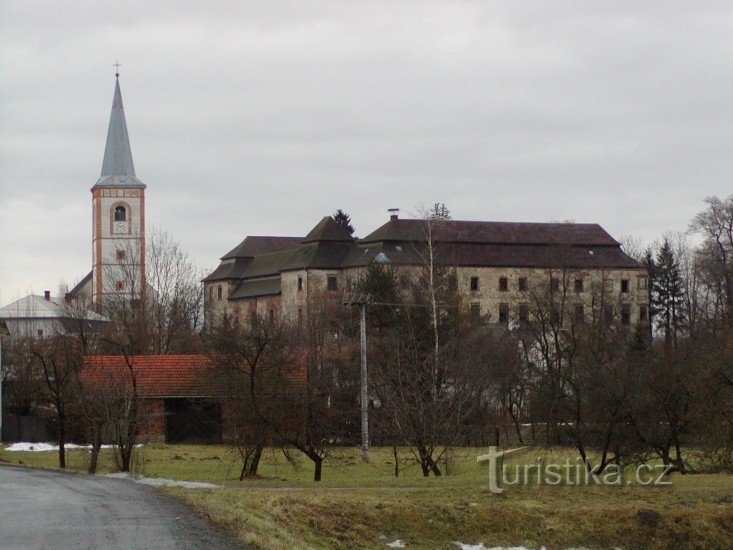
{"points": [[696, 512], [357, 503]]}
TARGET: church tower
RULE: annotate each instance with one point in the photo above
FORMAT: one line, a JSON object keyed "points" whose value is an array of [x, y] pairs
{"points": [[118, 203]]}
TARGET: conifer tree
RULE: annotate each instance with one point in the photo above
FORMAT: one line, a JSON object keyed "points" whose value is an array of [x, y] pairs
{"points": [[667, 293], [344, 220]]}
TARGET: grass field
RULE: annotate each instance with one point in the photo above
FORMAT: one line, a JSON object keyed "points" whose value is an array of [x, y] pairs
{"points": [[364, 505]]}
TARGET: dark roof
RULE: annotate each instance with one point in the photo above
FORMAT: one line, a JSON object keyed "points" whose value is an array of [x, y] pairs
{"points": [[233, 268], [72, 294], [253, 246], [404, 242], [257, 287], [328, 230], [80, 326], [268, 264], [492, 232], [321, 255], [234, 263], [492, 255]]}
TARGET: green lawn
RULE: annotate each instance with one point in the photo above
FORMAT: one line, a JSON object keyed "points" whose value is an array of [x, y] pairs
{"points": [[364, 505]]}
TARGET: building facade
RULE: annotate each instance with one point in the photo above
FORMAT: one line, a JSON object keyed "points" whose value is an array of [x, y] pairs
{"points": [[500, 268]]}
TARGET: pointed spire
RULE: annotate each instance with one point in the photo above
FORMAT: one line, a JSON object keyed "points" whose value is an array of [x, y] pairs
{"points": [[117, 153]]}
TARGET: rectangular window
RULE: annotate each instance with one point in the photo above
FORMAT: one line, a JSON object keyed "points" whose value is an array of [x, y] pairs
{"points": [[579, 313], [642, 313], [503, 284], [218, 292], [331, 283], [608, 285], [554, 284], [503, 313], [40, 332], [211, 293], [475, 314], [300, 284], [121, 255], [120, 285], [624, 285], [578, 285], [348, 285], [625, 314], [253, 316], [523, 284], [641, 283], [523, 313], [271, 316], [300, 316], [474, 283]]}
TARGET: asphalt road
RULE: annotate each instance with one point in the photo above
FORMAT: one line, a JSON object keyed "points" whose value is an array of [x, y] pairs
{"points": [[40, 509]]}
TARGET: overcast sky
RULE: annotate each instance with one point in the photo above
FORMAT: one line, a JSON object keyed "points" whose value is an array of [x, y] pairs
{"points": [[260, 118]]}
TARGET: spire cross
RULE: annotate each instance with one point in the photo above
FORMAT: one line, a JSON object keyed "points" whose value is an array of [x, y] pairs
{"points": [[117, 66]]}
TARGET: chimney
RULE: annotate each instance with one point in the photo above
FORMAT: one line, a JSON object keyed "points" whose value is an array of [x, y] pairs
{"points": [[394, 214], [47, 295]]}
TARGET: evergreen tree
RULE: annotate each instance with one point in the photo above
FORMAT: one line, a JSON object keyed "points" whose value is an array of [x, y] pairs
{"points": [[667, 293], [381, 283], [344, 220]]}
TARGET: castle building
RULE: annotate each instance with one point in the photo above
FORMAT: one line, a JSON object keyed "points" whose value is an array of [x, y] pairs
{"points": [[498, 266]]}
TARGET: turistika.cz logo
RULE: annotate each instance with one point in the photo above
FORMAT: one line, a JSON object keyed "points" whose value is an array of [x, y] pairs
{"points": [[571, 472]]}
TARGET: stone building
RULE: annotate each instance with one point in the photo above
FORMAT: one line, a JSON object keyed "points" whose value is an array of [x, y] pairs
{"points": [[498, 264]]}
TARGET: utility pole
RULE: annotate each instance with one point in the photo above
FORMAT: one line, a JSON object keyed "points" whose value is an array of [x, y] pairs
{"points": [[361, 300]]}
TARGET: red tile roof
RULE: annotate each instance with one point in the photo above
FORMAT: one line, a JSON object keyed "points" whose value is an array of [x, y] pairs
{"points": [[157, 375]]}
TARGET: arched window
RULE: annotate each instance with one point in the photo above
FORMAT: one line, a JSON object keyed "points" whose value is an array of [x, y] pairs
{"points": [[120, 214]]}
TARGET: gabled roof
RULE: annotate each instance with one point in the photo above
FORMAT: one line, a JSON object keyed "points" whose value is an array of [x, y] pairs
{"points": [[117, 166], [37, 307], [328, 230], [580, 234]]}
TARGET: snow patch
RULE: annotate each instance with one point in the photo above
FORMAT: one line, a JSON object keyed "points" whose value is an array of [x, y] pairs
{"points": [[480, 546], [162, 482], [42, 447], [396, 544]]}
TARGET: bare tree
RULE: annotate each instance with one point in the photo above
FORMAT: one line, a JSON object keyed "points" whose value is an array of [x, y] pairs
{"points": [[716, 226], [253, 361], [60, 358], [176, 307]]}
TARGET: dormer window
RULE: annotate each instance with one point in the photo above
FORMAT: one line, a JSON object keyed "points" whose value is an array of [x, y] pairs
{"points": [[120, 214]]}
